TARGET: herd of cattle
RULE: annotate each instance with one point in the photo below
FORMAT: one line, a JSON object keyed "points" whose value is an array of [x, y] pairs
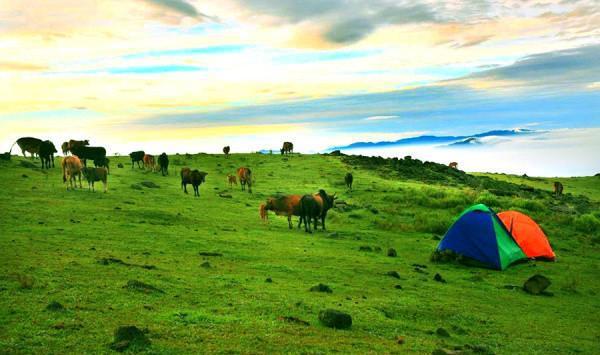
{"points": [[310, 208]]}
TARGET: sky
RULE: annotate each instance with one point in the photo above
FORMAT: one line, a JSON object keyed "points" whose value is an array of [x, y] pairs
{"points": [[192, 75]]}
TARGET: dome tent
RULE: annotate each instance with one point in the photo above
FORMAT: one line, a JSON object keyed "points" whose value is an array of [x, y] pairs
{"points": [[528, 235], [479, 234]]}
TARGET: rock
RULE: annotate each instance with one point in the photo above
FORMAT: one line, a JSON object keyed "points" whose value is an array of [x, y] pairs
{"points": [[394, 274], [335, 319], [129, 336], [442, 332], [149, 184], [536, 284], [392, 253], [27, 164], [55, 306], [420, 266], [24, 176], [120, 166], [365, 248], [225, 195], [268, 280], [439, 278], [336, 153], [142, 287], [398, 287], [294, 320], [321, 288], [208, 253], [206, 265]]}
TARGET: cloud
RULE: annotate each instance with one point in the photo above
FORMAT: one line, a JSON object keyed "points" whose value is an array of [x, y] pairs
{"points": [[379, 118], [181, 7], [18, 66]]}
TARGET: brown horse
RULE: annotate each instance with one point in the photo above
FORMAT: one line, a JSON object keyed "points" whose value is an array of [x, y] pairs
{"points": [[71, 168], [453, 165], [245, 177]]}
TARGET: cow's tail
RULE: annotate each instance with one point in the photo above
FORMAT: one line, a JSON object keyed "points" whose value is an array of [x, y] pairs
{"points": [[64, 171], [263, 212], [11, 147]]}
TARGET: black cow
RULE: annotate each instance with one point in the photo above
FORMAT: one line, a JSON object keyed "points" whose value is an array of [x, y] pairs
{"points": [[310, 209], [93, 153], [163, 163], [102, 163], [46, 152], [137, 157], [349, 179], [28, 144], [193, 177]]}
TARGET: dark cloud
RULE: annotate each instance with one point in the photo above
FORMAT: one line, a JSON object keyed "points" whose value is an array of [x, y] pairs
{"points": [[181, 7]]}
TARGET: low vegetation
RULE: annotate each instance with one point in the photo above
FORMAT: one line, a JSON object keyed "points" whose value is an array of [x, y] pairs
{"points": [[149, 269]]}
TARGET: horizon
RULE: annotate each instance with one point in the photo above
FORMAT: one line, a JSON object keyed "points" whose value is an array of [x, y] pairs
{"points": [[193, 76]]}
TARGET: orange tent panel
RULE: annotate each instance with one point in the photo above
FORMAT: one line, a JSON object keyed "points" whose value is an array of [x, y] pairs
{"points": [[527, 234]]}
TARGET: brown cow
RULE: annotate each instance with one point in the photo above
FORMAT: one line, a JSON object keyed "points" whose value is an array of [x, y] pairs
{"points": [[194, 177], [558, 188], [245, 177], [226, 151], [96, 174], [288, 148], [71, 168], [76, 144], [453, 165], [149, 162], [231, 180], [289, 206]]}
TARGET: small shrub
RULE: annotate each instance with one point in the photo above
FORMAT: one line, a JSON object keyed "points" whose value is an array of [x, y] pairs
{"points": [[529, 205], [587, 223], [488, 199]]}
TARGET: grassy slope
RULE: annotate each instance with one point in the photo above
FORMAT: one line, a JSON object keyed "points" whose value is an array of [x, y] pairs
{"points": [[57, 237]]}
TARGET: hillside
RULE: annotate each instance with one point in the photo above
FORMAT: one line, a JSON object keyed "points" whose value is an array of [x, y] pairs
{"points": [[85, 251]]}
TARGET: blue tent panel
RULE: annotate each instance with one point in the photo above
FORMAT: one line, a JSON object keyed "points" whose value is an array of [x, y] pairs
{"points": [[473, 235]]}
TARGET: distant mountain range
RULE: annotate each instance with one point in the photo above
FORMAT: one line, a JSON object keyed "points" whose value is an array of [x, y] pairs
{"points": [[454, 141]]}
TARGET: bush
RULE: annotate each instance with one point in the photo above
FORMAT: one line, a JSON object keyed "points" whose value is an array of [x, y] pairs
{"points": [[530, 205], [587, 223], [488, 199]]}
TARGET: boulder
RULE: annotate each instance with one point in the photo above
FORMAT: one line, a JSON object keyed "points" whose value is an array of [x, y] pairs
{"points": [[536, 284], [335, 319], [392, 253], [129, 336]]}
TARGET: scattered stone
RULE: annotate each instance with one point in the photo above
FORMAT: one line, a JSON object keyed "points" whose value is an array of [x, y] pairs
{"points": [[377, 249], [269, 280], [365, 248], [479, 349], [420, 266], [394, 274], [142, 287], [24, 176], [335, 319], [392, 253], [400, 340], [321, 288], [120, 165], [420, 271], [398, 287], [458, 330], [439, 278], [442, 332], [225, 195], [55, 306], [208, 253], [111, 260], [117, 208], [129, 336], [536, 284], [149, 184], [294, 320], [206, 265], [27, 164]]}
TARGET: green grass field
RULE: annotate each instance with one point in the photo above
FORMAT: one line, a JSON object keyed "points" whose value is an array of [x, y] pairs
{"points": [[58, 245]]}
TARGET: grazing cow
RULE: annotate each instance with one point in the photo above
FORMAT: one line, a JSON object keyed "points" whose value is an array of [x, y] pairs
{"points": [[93, 153], [453, 165], [245, 177], [71, 168], [137, 157], [348, 179], [558, 188], [46, 152], [65, 148], [194, 177], [226, 150], [149, 162], [288, 148], [231, 179], [310, 209], [102, 163], [288, 205], [28, 144], [163, 164], [96, 174]]}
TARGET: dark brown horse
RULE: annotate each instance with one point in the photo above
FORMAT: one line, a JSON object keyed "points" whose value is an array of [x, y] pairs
{"points": [[245, 177]]}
